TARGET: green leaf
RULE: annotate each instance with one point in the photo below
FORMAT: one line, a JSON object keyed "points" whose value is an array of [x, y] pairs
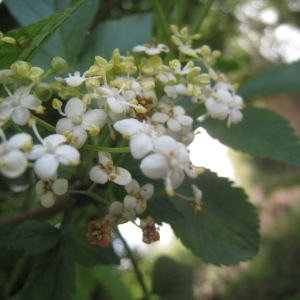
{"points": [[261, 133], [74, 243], [60, 43], [32, 37], [33, 236], [226, 230], [171, 280], [53, 277], [281, 79], [110, 279], [124, 34]]}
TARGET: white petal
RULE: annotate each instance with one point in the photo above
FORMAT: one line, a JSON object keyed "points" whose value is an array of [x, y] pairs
{"points": [[13, 164], [19, 140], [36, 152], [39, 187], [46, 166], [132, 187], [147, 190], [115, 105], [63, 125], [174, 125], [55, 140], [97, 117], [98, 175], [165, 145], [60, 186], [31, 102], [128, 126], [81, 137], [130, 202], [235, 116], [116, 208], [184, 120], [152, 51], [138, 48], [120, 176], [177, 177], [48, 199], [20, 115], [75, 106], [140, 145], [67, 155], [160, 117], [154, 166]]}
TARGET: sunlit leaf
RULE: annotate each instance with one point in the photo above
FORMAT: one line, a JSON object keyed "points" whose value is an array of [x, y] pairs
{"points": [[261, 133]]}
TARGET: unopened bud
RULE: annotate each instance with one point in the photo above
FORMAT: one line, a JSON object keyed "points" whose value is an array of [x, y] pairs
{"points": [[58, 65], [24, 41], [43, 91], [21, 68]]}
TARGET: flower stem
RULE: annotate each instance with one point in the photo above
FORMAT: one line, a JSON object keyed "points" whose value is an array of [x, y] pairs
{"points": [[137, 270], [106, 149]]}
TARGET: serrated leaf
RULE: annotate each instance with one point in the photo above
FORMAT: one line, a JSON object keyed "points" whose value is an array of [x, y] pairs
{"points": [[33, 236], [74, 243], [53, 277], [281, 79], [226, 230], [172, 280], [34, 37], [69, 38], [261, 133], [124, 34]]}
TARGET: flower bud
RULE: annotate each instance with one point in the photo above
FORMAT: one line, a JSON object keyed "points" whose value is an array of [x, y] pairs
{"points": [[43, 91], [21, 68], [24, 41], [58, 65]]}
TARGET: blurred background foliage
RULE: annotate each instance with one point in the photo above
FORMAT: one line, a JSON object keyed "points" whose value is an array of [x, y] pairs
{"points": [[252, 35]]}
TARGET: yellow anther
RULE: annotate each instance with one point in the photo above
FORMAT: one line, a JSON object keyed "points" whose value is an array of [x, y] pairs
{"points": [[56, 104], [41, 109], [94, 130], [126, 136], [140, 109]]}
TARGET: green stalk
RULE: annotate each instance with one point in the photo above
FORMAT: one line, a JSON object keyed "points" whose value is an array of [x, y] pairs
{"points": [[201, 16], [136, 268]]}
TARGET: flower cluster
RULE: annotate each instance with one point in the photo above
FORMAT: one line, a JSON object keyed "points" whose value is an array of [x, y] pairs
{"points": [[139, 101]]}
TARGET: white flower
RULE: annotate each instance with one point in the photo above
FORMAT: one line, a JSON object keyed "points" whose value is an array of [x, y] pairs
{"points": [[223, 103], [76, 79], [78, 121], [173, 117], [151, 49], [49, 190], [169, 162], [51, 153], [137, 196], [107, 171], [118, 101], [140, 135], [13, 161], [16, 106]]}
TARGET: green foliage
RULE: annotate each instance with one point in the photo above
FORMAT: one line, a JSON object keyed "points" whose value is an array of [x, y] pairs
{"points": [[60, 43], [280, 79], [262, 133], [225, 231], [33, 236], [113, 34], [172, 280], [31, 38]]}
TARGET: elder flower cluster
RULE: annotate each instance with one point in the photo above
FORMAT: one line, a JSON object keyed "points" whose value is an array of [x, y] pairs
{"points": [[130, 100]]}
